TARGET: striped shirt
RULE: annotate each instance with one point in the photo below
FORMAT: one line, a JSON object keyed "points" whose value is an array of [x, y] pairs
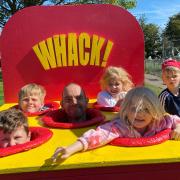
{"points": [[170, 102]]}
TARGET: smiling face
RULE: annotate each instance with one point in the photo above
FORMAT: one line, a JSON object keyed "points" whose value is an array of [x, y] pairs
{"points": [[31, 97], [18, 136], [141, 108], [114, 86], [74, 102], [31, 103], [139, 116]]}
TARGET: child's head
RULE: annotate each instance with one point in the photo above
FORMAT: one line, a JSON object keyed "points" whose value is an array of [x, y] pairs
{"points": [[31, 98], [13, 128], [171, 73], [115, 80], [140, 108]]}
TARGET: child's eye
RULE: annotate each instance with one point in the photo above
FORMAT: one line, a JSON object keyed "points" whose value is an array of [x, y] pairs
{"points": [[145, 110], [174, 76], [26, 99], [17, 137], [133, 109]]}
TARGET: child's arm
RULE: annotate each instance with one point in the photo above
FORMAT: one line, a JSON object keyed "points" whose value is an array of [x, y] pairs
{"points": [[67, 151], [121, 97], [91, 139], [105, 99], [175, 134]]}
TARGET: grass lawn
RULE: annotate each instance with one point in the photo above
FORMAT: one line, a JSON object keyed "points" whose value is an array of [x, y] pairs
{"points": [[156, 90]]}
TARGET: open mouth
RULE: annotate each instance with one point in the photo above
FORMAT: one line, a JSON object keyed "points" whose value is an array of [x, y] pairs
{"points": [[114, 92], [138, 121]]}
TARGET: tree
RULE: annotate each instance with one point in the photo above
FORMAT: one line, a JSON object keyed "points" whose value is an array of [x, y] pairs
{"points": [[171, 36], [9, 7], [152, 38]]}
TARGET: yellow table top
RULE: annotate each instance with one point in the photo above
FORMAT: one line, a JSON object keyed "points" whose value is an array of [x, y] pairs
{"points": [[38, 159]]}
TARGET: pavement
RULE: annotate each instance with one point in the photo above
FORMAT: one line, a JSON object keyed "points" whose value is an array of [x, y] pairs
{"points": [[154, 80]]}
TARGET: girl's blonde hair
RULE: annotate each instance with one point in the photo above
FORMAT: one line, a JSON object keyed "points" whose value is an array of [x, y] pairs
{"points": [[143, 98], [116, 72], [32, 89]]}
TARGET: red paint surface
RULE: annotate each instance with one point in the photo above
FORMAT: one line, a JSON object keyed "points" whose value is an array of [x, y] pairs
{"points": [[29, 26]]}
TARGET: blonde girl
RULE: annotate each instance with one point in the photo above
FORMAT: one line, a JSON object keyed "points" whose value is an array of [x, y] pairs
{"points": [[115, 82], [141, 115]]}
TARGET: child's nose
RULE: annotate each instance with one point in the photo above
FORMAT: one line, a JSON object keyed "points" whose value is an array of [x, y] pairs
{"points": [[140, 113], [30, 101], [12, 142]]}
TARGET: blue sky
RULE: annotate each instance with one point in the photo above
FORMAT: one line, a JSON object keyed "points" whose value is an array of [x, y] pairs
{"points": [[156, 11]]}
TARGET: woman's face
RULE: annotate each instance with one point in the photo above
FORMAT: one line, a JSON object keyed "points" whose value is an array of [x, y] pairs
{"points": [[139, 117]]}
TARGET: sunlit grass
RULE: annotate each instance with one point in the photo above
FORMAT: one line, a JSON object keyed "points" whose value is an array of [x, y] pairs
{"points": [[155, 89]]}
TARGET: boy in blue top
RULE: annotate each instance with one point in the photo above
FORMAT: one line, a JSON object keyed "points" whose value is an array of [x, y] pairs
{"points": [[170, 97]]}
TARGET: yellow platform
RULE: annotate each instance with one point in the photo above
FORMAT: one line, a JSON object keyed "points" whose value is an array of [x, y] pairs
{"points": [[38, 159]]}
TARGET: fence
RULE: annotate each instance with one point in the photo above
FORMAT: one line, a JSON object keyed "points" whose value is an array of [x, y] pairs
{"points": [[153, 66]]}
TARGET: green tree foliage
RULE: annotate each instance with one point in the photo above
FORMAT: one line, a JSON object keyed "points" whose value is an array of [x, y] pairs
{"points": [[172, 30], [9, 7], [152, 38]]}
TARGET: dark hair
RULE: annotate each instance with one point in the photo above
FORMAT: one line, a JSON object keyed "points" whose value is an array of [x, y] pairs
{"points": [[11, 119]]}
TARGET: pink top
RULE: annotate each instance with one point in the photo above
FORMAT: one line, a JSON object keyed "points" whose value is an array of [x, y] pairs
{"points": [[107, 132]]}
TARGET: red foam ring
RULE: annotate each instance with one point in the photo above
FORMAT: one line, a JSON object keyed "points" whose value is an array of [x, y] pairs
{"points": [[146, 141], [51, 107], [105, 108], [55, 119], [39, 135]]}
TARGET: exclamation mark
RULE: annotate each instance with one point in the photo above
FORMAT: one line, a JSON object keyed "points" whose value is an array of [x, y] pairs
{"points": [[106, 54]]}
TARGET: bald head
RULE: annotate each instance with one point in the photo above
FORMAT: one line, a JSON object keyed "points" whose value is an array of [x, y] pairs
{"points": [[73, 88], [74, 102]]}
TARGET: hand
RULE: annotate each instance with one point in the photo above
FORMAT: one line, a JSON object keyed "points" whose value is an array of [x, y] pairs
{"points": [[67, 151], [62, 151], [175, 134]]}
